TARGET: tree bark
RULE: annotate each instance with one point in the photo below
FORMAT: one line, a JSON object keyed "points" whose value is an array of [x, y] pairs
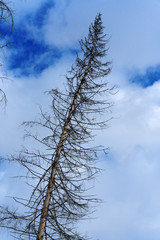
{"points": [[46, 203]]}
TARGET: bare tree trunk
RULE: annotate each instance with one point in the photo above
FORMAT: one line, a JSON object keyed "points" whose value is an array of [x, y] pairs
{"points": [[46, 203]]}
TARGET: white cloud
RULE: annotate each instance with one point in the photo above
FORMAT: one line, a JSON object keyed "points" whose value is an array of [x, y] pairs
{"points": [[132, 25], [23, 7], [131, 188]]}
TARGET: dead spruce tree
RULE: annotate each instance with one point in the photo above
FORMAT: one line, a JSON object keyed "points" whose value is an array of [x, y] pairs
{"points": [[58, 199], [6, 26]]}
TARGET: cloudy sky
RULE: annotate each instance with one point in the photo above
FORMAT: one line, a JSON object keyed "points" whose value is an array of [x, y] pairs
{"points": [[45, 39]]}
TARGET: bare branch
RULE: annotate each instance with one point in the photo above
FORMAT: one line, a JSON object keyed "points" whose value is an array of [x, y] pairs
{"points": [[7, 22]]}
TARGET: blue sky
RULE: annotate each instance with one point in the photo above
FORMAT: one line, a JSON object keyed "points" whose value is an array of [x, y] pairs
{"points": [[29, 53], [45, 39], [148, 78]]}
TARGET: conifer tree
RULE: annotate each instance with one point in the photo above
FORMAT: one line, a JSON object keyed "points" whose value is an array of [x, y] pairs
{"points": [[58, 176]]}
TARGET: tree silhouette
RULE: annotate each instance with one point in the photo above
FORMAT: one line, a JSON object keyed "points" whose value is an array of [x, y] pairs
{"points": [[6, 26], [59, 174]]}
